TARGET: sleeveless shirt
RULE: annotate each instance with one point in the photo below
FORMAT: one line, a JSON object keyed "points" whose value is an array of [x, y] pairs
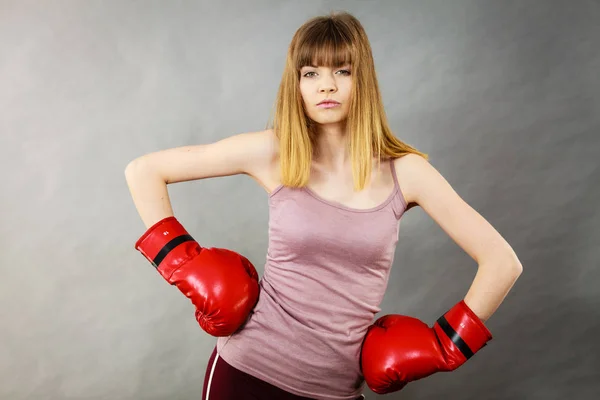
{"points": [[325, 275]]}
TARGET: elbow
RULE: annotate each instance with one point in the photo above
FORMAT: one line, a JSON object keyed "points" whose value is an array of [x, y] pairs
{"points": [[514, 271], [134, 168], [134, 172], [511, 263], [139, 168], [506, 264], [519, 269], [516, 263], [129, 170], [132, 165], [515, 267]]}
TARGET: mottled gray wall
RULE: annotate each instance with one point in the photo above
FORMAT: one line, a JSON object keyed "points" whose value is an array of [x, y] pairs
{"points": [[503, 95]]}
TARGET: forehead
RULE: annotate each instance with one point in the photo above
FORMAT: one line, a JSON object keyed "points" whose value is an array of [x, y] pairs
{"points": [[332, 56]]}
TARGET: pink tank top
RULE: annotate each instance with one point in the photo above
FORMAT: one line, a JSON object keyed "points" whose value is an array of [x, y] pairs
{"points": [[325, 276]]}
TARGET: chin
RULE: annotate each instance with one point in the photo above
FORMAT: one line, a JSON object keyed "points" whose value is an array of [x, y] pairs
{"points": [[330, 120]]}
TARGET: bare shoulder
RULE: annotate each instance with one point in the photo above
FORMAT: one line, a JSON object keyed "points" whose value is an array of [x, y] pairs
{"points": [[265, 145], [265, 169], [412, 170]]}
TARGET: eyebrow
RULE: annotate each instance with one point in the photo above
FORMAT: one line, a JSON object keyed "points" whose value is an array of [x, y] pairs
{"points": [[316, 66]]}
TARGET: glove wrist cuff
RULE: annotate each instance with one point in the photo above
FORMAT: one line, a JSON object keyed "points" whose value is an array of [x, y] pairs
{"points": [[464, 329], [160, 244]]}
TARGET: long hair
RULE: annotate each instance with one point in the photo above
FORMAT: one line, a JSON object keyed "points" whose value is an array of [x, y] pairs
{"points": [[333, 40]]}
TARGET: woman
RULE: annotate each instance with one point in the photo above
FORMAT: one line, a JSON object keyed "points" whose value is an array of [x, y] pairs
{"points": [[338, 182]]}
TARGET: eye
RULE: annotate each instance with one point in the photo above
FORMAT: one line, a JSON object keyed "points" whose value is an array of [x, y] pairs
{"points": [[345, 72]]}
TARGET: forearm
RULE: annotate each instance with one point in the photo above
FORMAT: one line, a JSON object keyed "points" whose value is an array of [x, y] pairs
{"points": [[149, 193], [491, 284]]}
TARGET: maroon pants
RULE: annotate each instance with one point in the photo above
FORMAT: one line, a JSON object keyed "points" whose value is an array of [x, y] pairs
{"points": [[224, 382]]}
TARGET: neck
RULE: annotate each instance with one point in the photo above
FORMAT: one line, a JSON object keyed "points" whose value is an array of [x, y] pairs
{"points": [[331, 150]]}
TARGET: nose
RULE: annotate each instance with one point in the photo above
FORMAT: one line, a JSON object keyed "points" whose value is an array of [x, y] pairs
{"points": [[327, 88], [327, 85]]}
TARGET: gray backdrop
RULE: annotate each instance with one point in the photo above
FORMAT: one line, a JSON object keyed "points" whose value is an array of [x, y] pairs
{"points": [[504, 96]]}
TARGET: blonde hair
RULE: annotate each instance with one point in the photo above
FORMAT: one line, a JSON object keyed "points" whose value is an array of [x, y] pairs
{"points": [[333, 40]]}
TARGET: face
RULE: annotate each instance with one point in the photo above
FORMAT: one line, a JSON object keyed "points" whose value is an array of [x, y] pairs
{"points": [[324, 83]]}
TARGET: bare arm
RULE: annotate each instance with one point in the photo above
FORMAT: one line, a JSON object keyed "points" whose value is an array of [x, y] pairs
{"points": [[148, 176], [498, 265]]}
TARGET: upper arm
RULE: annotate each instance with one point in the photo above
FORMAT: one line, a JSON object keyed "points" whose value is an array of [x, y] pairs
{"points": [[432, 192], [243, 153]]}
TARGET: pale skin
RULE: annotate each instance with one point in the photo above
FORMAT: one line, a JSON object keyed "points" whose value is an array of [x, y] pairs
{"points": [[256, 154], [422, 184]]}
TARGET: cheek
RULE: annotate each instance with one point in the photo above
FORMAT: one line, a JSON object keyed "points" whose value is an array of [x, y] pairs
{"points": [[303, 94], [348, 89], [303, 87]]}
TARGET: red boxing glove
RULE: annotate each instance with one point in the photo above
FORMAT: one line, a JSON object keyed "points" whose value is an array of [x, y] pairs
{"points": [[398, 349], [222, 284]]}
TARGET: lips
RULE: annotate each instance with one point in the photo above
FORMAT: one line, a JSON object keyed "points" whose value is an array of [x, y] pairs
{"points": [[328, 102]]}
